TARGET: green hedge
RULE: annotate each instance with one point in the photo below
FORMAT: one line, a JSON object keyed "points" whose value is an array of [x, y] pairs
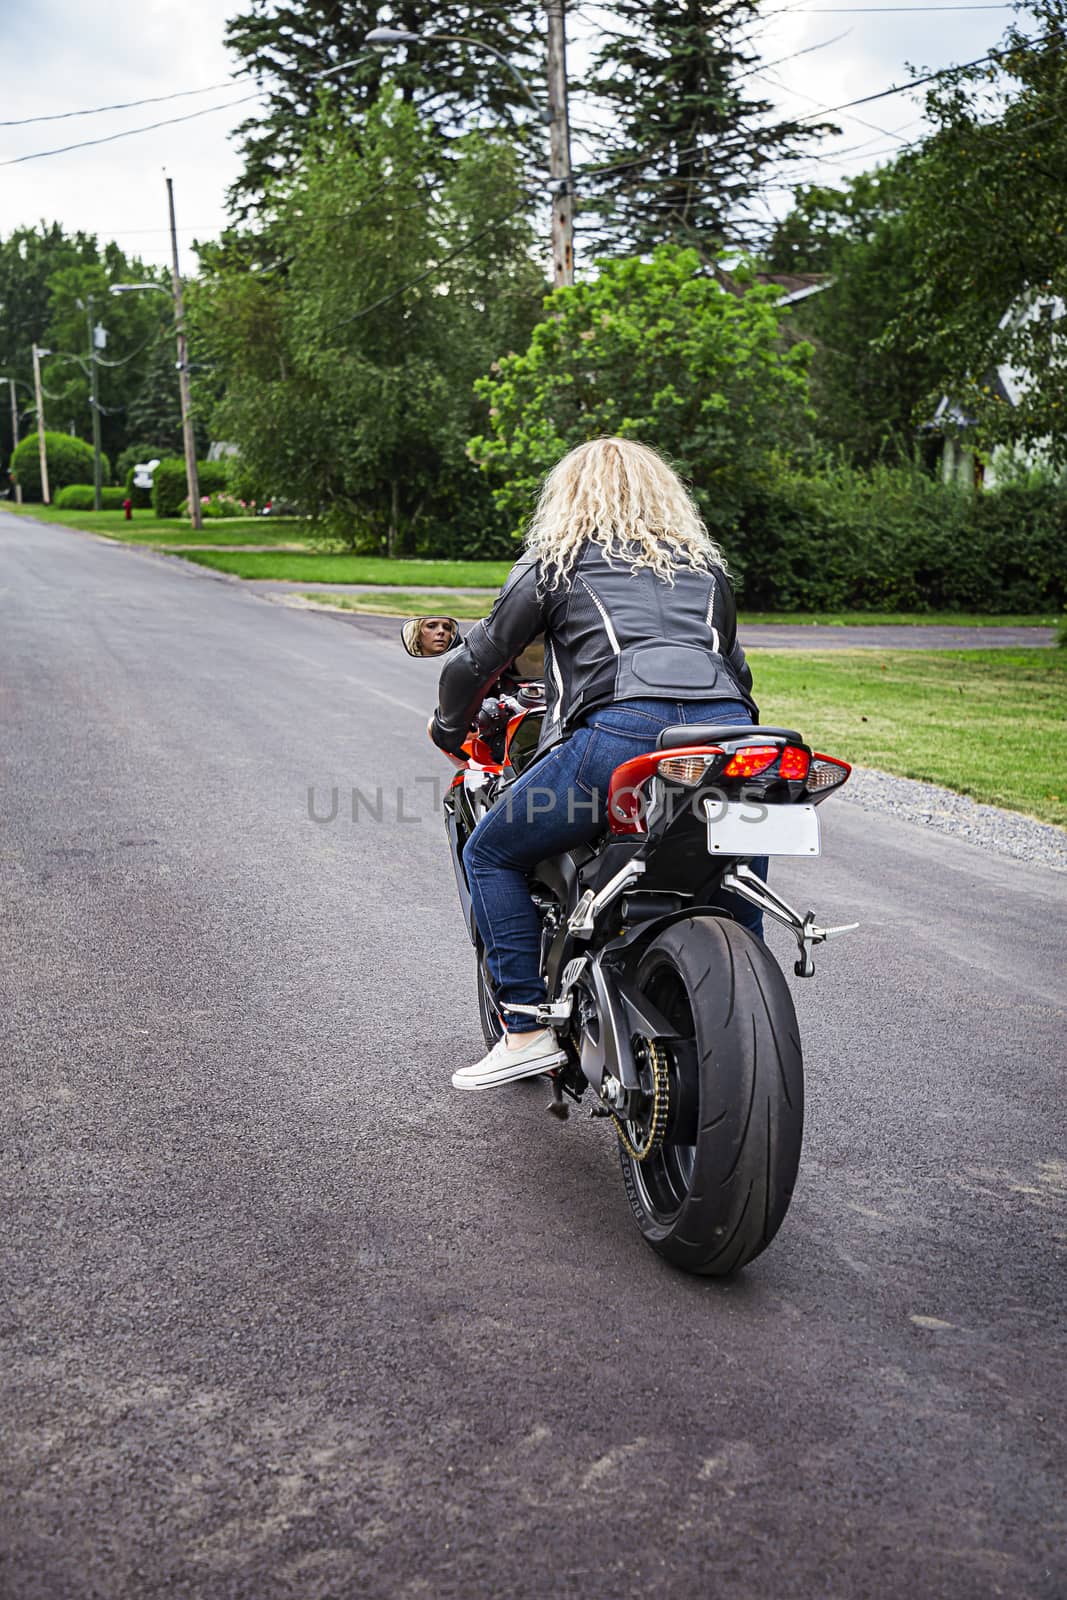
{"points": [[70, 460], [895, 539], [169, 488], [80, 497]]}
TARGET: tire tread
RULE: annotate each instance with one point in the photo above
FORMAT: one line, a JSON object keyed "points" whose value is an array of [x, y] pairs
{"points": [[751, 1084]]}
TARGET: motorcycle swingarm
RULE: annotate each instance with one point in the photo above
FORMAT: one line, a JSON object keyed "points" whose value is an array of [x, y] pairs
{"points": [[607, 1062]]}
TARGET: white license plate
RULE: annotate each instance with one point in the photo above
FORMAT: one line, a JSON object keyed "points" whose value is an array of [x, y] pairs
{"points": [[749, 828]]}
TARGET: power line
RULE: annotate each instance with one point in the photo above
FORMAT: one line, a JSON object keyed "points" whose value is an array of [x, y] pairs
{"points": [[122, 105], [62, 150], [765, 66], [595, 171], [784, 88], [852, 11], [930, 77]]}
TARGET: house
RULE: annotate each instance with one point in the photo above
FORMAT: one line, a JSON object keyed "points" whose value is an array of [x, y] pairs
{"points": [[960, 464]]}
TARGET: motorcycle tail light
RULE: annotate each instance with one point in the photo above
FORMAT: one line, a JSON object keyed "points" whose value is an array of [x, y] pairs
{"points": [[750, 760], [826, 774], [688, 768], [626, 798], [794, 763]]}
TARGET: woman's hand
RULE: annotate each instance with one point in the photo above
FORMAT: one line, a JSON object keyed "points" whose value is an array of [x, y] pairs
{"points": [[457, 761]]}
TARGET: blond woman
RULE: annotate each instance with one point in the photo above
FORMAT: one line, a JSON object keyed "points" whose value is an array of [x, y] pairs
{"points": [[631, 593]]}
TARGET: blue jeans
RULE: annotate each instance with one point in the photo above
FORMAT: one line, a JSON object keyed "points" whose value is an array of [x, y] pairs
{"points": [[559, 803]]}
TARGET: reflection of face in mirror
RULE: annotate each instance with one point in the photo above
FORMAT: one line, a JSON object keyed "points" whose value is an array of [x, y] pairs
{"points": [[435, 635], [430, 636]]}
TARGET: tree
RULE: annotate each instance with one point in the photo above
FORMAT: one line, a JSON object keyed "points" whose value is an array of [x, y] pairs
{"points": [[43, 275], [656, 350], [866, 388], [453, 87], [28, 257], [689, 146], [987, 212], [138, 327], [350, 366]]}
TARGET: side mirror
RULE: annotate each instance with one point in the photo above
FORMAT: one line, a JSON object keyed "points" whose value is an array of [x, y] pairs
{"points": [[430, 636]]}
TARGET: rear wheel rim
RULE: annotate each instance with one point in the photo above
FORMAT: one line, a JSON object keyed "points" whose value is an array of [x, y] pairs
{"points": [[665, 1178]]}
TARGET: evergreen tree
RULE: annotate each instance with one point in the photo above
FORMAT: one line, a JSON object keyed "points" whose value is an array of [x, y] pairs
{"points": [[454, 87], [689, 145], [155, 411]]}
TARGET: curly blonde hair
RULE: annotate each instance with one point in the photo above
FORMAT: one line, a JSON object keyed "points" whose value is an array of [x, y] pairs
{"points": [[626, 497]]}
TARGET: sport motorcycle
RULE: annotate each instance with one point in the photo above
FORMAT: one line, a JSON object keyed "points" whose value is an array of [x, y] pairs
{"points": [[677, 1021]]}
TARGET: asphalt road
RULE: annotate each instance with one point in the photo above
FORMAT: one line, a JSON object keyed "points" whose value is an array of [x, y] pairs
{"points": [[285, 1316]]}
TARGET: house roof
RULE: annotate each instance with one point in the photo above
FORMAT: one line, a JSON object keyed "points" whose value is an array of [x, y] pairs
{"points": [[795, 285]]}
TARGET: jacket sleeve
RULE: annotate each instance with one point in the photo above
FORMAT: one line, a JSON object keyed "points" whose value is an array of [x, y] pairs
{"points": [[470, 672]]}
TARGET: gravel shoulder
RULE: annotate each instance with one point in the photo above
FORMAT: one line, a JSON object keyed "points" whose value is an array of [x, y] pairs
{"points": [[1007, 833]]}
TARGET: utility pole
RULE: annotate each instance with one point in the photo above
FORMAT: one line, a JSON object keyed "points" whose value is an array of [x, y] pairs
{"points": [[15, 433], [45, 496], [94, 402], [559, 154], [192, 478]]}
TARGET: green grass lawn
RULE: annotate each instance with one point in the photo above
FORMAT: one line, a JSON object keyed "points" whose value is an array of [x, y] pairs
{"points": [[310, 567], [402, 603], [989, 723], [146, 528], [224, 531], [899, 619]]}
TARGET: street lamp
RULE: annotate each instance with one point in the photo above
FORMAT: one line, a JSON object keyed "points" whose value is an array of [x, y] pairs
{"points": [[554, 116]]}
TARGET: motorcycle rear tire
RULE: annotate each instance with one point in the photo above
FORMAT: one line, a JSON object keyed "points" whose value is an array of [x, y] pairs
{"points": [[712, 1206]]}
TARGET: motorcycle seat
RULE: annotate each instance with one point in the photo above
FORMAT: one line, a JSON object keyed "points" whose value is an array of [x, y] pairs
{"points": [[683, 734]]}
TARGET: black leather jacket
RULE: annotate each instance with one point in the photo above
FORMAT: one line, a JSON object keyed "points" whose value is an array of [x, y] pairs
{"points": [[610, 635]]}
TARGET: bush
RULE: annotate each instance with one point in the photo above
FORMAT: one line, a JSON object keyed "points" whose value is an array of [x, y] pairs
{"points": [[169, 487], [80, 497], [70, 460], [895, 539]]}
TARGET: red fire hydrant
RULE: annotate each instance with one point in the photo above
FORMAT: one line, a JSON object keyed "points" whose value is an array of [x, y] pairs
{"points": [[127, 506]]}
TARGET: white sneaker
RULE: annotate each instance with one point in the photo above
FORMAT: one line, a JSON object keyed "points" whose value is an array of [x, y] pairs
{"points": [[504, 1065]]}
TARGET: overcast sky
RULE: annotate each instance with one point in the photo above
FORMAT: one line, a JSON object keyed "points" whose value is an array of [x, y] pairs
{"points": [[60, 55]]}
